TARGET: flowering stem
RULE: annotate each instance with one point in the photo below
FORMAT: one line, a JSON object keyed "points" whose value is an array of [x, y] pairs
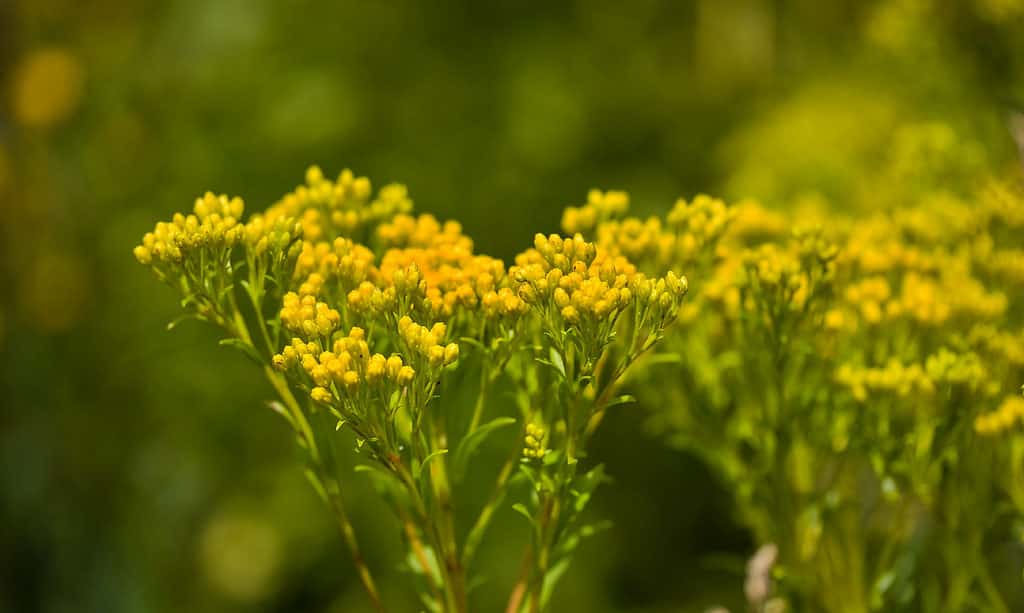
{"points": [[332, 488]]}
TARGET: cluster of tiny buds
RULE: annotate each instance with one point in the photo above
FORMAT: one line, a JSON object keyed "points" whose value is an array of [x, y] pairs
{"points": [[704, 216], [214, 223], [326, 208], [903, 380], [534, 442], [502, 303], [427, 342], [1009, 414], [563, 253], [305, 315], [276, 235], [583, 283], [424, 231], [600, 206], [345, 367]]}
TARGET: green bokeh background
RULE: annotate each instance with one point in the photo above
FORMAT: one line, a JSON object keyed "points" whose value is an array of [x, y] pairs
{"points": [[140, 469]]}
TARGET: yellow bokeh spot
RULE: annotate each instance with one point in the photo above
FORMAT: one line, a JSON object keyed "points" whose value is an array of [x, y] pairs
{"points": [[47, 87], [56, 311], [240, 556]]}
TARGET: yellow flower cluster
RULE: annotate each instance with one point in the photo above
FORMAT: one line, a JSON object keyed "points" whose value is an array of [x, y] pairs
{"points": [[427, 342], [704, 217], [327, 209], [452, 276], [1002, 345], [428, 269], [425, 231], [587, 286], [869, 298], [1009, 414], [775, 268], [214, 224], [275, 236], [534, 442], [348, 365], [894, 377], [689, 232], [305, 315], [958, 369], [600, 207], [640, 241], [342, 261], [561, 268], [750, 222]]}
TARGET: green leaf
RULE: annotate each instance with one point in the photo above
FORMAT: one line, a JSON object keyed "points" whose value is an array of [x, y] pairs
{"points": [[178, 320], [585, 484], [317, 485], [557, 361], [551, 579], [530, 473], [522, 510], [385, 483], [623, 399], [465, 340], [472, 441], [280, 409], [594, 528], [244, 347], [414, 563], [417, 468]]}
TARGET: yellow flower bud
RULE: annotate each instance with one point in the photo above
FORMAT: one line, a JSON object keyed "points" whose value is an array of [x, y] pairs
{"points": [[319, 394], [394, 365], [350, 379], [451, 353], [405, 375]]}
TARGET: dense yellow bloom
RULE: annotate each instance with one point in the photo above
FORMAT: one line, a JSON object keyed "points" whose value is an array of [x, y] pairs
{"points": [[895, 377], [425, 232], [327, 209], [1009, 414], [428, 343], [347, 365], [573, 283], [214, 224], [600, 207], [534, 442], [305, 315]]}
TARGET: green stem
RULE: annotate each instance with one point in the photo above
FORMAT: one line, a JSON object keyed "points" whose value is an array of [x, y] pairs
{"points": [[333, 489], [331, 486], [481, 399], [487, 513], [515, 599], [446, 526], [548, 525], [433, 529]]}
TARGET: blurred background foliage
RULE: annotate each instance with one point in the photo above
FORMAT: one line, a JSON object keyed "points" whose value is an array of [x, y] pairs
{"points": [[140, 471]]}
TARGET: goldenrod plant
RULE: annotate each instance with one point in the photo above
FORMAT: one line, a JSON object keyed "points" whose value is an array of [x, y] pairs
{"points": [[853, 381], [366, 320]]}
